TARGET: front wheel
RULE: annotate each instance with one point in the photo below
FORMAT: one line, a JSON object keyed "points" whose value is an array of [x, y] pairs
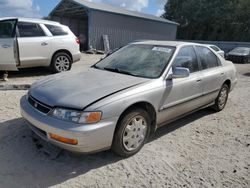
{"points": [[61, 62], [245, 60], [132, 132], [221, 100]]}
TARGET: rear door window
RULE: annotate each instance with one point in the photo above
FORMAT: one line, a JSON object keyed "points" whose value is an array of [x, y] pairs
{"points": [[26, 29], [56, 30], [207, 58], [7, 28], [186, 58]]}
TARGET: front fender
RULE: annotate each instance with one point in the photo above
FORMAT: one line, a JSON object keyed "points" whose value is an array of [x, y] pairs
{"points": [[114, 106]]}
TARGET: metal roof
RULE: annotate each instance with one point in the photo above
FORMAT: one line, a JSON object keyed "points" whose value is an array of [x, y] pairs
{"points": [[116, 10]]}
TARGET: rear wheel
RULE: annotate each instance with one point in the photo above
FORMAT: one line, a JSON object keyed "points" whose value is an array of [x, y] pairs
{"points": [[132, 132], [61, 62], [221, 100]]}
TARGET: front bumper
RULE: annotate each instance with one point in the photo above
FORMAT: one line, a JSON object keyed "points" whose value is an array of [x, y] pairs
{"points": [[76, 57], [236, 59], [91, 137], [233, 84]]}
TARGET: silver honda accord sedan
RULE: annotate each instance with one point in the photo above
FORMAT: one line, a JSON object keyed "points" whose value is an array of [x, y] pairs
{"points": [[122, 99]]}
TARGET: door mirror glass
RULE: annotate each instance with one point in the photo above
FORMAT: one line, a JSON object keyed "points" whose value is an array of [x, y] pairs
{"points": [[179, 72]]}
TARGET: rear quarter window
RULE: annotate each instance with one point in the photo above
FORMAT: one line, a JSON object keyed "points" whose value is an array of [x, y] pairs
{"points": [[57, 30]]}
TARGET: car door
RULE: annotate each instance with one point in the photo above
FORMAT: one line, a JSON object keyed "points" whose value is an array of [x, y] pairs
{"points": [[182, 94], [212, 73], [8, 45], [34, 45]]}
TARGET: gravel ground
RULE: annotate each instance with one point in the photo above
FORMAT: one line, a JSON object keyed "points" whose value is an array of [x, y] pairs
{"points": [[28, 76], [204, 149]]}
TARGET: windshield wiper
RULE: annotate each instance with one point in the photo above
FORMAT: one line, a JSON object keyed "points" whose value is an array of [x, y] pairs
{"points": [[118, 71], [94, 66]]}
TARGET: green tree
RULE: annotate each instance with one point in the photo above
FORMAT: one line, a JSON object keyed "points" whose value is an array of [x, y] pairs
{"points": [[227, 20]]}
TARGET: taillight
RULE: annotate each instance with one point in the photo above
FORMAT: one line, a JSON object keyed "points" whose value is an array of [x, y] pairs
{"points": [[77, 40]]}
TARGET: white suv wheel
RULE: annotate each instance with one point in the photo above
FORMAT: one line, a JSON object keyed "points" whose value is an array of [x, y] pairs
{"points": [[61, 62]]}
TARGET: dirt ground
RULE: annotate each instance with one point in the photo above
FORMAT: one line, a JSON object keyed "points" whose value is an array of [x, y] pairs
{"points": [[205, 149], [28, 76]]}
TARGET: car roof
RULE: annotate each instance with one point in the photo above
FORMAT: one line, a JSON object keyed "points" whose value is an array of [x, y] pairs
{"points": [[33, 20], [167, 43]]}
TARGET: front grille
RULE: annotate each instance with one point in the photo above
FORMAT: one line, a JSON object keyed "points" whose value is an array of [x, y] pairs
{"points": [[235, 59], [45, 109]]}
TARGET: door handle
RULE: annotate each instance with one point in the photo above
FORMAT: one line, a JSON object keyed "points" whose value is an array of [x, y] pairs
{"points": [[6, 46], [44, 44], [199, 80]]}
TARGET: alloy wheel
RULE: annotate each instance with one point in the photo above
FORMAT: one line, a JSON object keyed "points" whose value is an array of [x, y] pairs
{"points": [[62, 63], [222, 97]]}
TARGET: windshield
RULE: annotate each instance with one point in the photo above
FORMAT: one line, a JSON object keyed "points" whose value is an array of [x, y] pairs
{"points": [[148, 61], [241, 50]]}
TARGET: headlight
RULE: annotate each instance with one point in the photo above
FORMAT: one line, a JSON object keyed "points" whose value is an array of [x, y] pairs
{"points": [[77, 116]]}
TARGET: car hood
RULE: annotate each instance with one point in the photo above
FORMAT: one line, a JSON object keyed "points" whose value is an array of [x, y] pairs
{"points": [[79, 89], [237, 54]]}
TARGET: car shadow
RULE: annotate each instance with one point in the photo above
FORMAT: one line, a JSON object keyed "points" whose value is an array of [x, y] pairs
{"points": [[29, 161], [246, 74], [28, 72], [168, 128]]}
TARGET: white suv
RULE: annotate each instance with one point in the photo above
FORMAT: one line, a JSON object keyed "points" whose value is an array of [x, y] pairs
{"points": [[33, 43]]}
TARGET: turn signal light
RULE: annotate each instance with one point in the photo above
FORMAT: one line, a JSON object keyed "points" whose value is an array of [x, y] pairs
{"points": [[94, 117], [62, 139]]}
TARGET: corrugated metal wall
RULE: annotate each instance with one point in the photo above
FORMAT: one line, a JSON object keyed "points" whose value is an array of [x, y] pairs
{"points": [[123, 29]]}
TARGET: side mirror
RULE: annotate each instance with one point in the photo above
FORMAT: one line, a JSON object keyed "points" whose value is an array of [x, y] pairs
{"points": [[179, 72]]}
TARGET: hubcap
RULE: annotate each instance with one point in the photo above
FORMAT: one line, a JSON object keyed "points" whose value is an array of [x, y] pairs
{"points": [[134, 133], [222, 98], [62, 63]]}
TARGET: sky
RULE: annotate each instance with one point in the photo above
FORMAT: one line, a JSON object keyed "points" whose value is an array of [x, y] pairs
{"points": [[40, 8]]}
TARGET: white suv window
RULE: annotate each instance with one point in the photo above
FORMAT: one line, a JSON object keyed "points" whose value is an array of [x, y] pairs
{"points": [[26, 29], [6, 29], [56, 30]]}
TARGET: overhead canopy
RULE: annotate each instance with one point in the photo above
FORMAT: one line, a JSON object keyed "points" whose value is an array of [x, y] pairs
{"points": [[77, 8], [69, 9]]}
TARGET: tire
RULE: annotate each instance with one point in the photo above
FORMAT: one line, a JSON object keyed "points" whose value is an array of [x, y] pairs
{"points": [[61, 62], [129, 138], [221, 99], [245, 60]]}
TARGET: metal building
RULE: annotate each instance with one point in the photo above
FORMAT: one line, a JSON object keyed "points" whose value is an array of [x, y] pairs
{"points": [[90, 21]]}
